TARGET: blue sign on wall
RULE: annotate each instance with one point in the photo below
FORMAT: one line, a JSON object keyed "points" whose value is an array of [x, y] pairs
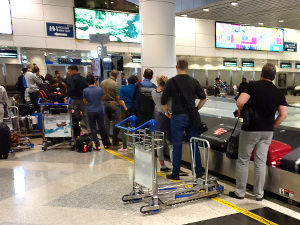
{"points": [[290, 47], [60, 30]]}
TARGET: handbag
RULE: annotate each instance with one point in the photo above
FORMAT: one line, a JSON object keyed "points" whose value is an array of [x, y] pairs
{"points": [[248, 114], [233, 144], [193, 112]]}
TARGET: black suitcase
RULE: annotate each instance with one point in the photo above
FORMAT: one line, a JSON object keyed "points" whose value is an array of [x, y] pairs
{"points": [[219, 135], [5, 140], [291, 161], [84, 144]]}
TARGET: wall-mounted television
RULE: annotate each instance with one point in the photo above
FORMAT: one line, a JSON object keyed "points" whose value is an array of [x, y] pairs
{"points": [[297, 65], [236, 36], [122, 27], [247, 63], [5, 17], [286, 65], [230, 63], [8, 53]]}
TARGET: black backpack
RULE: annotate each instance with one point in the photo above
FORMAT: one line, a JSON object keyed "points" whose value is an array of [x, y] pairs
{"points": [[146, 103], [5, 140], [84, 144]]}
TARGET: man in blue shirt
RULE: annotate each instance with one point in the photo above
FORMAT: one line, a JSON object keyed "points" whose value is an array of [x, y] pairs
{"points": [[92, 97], [144, 96], [127, 100]]}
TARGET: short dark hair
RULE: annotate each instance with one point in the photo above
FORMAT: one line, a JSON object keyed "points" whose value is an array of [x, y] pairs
{"points": [[24, 70], [182, 64], [52, 80], [48, 77], [36, 69], [56, 72], [90, 79], [161, 82], [148, 74], [73, 67], [133, 79], [269, 71], [114, 73]]}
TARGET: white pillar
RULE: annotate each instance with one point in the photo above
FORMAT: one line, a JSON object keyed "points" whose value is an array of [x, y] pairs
{"points": [[37, 57], [158, 36]]}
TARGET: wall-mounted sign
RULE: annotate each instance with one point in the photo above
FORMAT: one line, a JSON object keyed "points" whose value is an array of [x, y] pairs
{"points": [[286, 65], [230, 63], [290, 47], [69, 61], [8, 53], [247, 63], [60, 30], [297, 66], [136, 59]]}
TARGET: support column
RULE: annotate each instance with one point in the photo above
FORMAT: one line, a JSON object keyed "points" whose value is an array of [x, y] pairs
{"points": [[158, 36], [38, 57]]}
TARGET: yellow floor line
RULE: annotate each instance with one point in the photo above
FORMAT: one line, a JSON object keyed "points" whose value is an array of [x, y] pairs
{"points": [[219, 200]]}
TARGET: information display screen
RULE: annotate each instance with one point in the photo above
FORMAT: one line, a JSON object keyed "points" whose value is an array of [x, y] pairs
{"points": [[247, 63], [8, 54], [230, 63], [122, 27], [5, 17], [235, 36], [297, 66], [286, 65]]}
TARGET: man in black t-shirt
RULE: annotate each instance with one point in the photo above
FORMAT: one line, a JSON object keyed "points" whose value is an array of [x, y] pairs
{"points": [[266, 100], [183, 90]]}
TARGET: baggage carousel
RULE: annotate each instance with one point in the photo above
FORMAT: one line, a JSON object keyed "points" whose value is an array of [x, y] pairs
{"points": [[278, 181]]}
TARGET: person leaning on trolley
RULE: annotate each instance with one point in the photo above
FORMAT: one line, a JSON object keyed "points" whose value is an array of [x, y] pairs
{"points": [[265, 99]]}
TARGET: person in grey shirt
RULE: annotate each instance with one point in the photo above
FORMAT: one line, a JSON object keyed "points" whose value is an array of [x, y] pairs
{"points": [[3, 100], [33, 81]]}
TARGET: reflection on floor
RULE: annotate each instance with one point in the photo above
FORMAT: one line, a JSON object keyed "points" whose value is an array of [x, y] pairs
{"points": [[60, 187]]}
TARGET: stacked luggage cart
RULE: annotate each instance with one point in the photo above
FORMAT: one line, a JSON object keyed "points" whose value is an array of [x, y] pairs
{"points": [[145, 141]]}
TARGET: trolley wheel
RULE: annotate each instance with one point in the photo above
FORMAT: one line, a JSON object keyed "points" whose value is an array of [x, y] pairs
{"points": [[44, 147], [144, 209], [130, 199]]}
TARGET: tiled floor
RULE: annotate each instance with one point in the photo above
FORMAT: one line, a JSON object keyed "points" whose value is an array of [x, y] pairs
{"points": [[69, 188]]}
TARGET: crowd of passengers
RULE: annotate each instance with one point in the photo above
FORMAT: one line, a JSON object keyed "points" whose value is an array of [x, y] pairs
{"points": [[171, 102]]}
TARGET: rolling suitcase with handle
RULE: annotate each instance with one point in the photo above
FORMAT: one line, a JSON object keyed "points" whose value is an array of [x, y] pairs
{"points": [[291, 161], [5, 140], [276, 151]]}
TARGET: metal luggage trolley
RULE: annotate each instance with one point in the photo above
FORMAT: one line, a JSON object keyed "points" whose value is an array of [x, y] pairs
{"points": [[57, 124], [145, 142]]}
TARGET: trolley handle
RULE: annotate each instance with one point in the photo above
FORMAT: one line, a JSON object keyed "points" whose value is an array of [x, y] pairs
{"points": [[51, 104], [133, 119]]}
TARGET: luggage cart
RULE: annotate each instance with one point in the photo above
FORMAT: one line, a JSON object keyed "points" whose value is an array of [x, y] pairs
{"points": [[57, 125], [145, 142]]}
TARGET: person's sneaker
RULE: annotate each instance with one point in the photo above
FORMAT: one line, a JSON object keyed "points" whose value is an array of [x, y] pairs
{"points": [[259, 199], [173, 177], [165, 169], [123, 150], [182, 173], [233, 195]]}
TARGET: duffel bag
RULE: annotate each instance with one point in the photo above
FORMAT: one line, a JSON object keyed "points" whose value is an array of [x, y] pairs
{"points": [[84, 143]]}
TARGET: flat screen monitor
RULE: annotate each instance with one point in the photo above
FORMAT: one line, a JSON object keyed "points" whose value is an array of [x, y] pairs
{"points": [[122, 27], [235, 36], [297, 66], [247, 63], [5, 17], [230, 63], [286, 65], [8, 54]]}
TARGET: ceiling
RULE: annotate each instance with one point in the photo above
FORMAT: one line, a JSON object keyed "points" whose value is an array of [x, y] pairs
{"points": [[252, 12]]}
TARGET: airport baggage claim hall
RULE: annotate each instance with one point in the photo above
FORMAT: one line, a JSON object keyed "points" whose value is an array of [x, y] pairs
{"points": [[58, 56]]}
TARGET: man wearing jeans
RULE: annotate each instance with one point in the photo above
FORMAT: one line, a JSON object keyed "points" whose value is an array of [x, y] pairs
{"points": [[180, 121], [266, 99], [93, 97]]}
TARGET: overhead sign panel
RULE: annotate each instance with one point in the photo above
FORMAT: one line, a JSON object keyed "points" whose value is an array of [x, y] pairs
{"points": [[290, 47], [60, 30], [286, 65], [5, 17], [247, 63], [230, 63], [8, 54]]}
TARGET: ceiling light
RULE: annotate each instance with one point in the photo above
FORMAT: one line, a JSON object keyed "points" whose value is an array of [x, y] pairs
{"points": [[281, 21], [234, 3], [184, 15], [112, 2], [206, 10], [260, 24]]}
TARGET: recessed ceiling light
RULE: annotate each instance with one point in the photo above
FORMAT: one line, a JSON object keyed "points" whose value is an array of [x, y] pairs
{"points": [[260, 24], [234, 3], [112, 2], [281, 21], [184, 15], [206, 10]]}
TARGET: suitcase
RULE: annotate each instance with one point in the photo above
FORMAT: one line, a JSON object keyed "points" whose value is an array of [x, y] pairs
{"points": [[291, 161], [5, 140], [276, 151], [84, 144]]}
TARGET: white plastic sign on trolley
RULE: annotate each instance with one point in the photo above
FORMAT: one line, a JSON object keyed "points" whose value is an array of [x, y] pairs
{"points": [[58, 125]]}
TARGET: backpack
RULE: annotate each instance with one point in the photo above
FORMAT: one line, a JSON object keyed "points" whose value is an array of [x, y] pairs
{"points": [[84, 144], [146, 103], [15, 139]]}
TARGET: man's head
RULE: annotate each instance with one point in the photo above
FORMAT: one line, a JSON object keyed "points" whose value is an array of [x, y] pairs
{"points": [[24, 70], [36, 69], [29, 66], [217, 79], [90, 79], [133, 79], [182, 66], [268, 72], [53, 82], [148, 74], [72, 70], [114, 74], [57, 73], [48, 77], [244, 80], [123, 75]]}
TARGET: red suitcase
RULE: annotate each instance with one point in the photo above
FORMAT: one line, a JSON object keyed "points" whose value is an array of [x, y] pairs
{"points": [[277, 150]]}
